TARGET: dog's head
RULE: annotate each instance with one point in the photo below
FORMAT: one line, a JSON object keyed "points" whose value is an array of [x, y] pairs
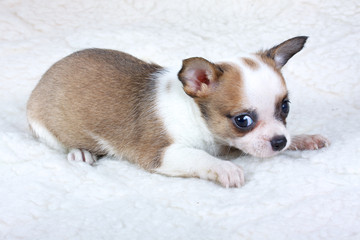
{"points": [[245, 101]]}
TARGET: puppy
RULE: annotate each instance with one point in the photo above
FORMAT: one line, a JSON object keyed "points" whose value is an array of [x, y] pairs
{"points": [[174, 121]]}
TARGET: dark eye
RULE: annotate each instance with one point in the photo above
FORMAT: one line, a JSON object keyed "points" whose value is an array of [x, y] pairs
{"points": [[243, 121], [285, 107]]}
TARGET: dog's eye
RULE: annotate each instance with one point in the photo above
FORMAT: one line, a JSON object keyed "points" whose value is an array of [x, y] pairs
{"points": [[285, 107], [243, 121]]}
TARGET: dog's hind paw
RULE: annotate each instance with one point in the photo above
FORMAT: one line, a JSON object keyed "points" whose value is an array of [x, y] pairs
{"points": [[80, 155]]}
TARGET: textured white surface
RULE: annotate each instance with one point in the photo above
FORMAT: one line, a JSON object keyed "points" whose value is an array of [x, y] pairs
{"points": [[298, 195]]}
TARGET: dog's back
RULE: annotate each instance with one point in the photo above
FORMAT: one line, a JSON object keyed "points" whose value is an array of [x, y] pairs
{"points": [[101, 101]]}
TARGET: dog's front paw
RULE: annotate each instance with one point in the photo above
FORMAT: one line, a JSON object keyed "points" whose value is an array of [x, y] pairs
{"points": [[308, 142], [226, 173]]}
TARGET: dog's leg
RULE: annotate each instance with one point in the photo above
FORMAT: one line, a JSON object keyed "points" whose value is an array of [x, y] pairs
{"points": [[308, 142], [80, 155], [188, 162]]}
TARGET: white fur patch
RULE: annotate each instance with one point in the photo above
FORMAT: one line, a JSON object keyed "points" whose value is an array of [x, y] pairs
{"points": [[181, 115], [45, 136], [190, 162], [262, 86]]}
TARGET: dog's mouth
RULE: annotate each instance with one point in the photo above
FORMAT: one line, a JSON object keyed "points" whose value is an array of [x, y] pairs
{"points": [[264, 148]]}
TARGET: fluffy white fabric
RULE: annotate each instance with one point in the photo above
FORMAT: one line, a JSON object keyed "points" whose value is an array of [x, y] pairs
{"points": [[297, 195]]}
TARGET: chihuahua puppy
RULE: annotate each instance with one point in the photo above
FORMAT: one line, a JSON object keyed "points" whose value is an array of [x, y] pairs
{"points": [[174, 121]]}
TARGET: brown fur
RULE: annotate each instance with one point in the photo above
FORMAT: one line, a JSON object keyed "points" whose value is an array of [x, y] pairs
{"points": [[279, 101], [267, 60], [102, 93], [251, 63], [217, 107]]}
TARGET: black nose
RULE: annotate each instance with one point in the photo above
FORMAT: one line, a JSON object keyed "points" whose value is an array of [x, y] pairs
{"points": [[278, 143]]}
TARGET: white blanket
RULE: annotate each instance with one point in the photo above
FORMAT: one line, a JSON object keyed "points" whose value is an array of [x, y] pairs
{"points": [[296, 195]]}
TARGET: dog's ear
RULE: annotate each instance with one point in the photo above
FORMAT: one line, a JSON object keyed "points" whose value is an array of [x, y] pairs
{"points": [[199, 76], [284, 51]]}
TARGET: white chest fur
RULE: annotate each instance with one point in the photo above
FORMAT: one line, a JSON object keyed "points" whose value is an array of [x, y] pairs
{"points": [[181, 115], [189, 156]]}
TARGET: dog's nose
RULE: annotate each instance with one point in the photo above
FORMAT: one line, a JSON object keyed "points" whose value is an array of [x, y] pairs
{"points": [[278, 143]]}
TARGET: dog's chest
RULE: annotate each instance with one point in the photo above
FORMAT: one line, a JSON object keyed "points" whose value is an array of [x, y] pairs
{"points": [[181, 116]]}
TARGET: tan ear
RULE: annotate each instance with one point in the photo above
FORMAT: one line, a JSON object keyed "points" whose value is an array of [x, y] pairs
{"points": [[199, 76], [284, 51]]}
